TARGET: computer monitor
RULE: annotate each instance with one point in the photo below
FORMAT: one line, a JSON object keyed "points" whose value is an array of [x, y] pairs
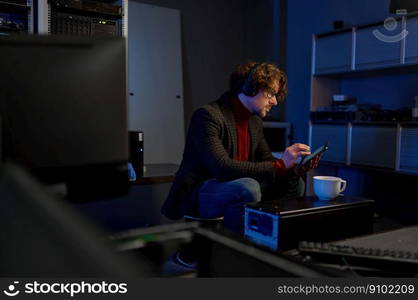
{"points": [[63, 108], [42, 236]]}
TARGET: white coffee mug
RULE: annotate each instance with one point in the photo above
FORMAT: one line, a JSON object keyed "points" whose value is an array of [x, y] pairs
{"points": [[328, 187]]}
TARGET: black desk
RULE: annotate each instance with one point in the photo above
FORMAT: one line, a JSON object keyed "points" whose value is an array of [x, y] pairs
{"points": [[282, 224], [157, 173], [140, 207]]}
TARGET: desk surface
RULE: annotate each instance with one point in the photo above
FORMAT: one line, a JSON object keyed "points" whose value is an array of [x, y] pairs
{"points": [[307, 204], [157, 173]]}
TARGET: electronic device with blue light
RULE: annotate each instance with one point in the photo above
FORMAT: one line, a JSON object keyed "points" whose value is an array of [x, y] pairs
{"points": [[282, 224], [308, 158]]}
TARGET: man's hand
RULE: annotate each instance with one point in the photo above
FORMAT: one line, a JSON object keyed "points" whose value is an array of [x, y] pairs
{"points": [[292, 153], [311, 165]]}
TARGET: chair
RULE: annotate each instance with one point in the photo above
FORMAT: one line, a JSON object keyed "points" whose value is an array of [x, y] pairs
{"points": [[187, 256], [214, 223]]}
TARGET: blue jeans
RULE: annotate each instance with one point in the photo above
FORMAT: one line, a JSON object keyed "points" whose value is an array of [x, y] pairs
{"points": [[228, 198]]}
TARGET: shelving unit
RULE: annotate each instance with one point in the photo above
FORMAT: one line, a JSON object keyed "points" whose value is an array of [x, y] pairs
{"points": [[355, 59]]}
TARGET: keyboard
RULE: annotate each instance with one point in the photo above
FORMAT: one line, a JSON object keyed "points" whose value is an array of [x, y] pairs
{"points": [[398, 261]]}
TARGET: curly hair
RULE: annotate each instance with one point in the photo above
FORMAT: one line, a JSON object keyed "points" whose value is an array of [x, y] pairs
{"points": [[264, 77]]}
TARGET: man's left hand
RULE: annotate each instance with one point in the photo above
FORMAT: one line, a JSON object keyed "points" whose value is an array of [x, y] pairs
{"points": [[309, 166]]}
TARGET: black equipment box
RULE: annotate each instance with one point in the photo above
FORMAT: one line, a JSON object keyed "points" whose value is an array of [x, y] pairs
{"points": [[73, 24], [281, 225]]}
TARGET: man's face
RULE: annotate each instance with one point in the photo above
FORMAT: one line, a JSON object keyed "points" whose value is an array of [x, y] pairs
{"points": [[264, 101]]}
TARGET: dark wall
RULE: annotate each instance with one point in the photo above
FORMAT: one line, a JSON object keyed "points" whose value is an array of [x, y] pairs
{"points": [[262, 30], [265, 36]]}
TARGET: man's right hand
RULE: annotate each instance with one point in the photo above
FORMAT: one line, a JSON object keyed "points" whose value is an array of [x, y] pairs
{"points": [[292, 153]]}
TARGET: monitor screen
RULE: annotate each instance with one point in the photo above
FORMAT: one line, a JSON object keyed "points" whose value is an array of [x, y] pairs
{"points": [[63, 108], [42, 236]]}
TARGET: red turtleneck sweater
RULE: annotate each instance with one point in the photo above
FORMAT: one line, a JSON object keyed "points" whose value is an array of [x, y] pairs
{"points": [[242, 115]]}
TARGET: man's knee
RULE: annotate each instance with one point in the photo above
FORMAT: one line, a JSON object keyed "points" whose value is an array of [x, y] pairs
{"points": [[249, 188]]}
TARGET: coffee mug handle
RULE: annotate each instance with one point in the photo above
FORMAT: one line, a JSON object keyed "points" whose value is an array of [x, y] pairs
{"points": [[343, 185]]}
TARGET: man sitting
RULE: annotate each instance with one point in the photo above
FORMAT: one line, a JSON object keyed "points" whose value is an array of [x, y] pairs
{"points": [[227, 162]]}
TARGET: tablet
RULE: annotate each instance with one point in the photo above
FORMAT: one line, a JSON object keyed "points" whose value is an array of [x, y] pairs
{"points": [[306, 159]]}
